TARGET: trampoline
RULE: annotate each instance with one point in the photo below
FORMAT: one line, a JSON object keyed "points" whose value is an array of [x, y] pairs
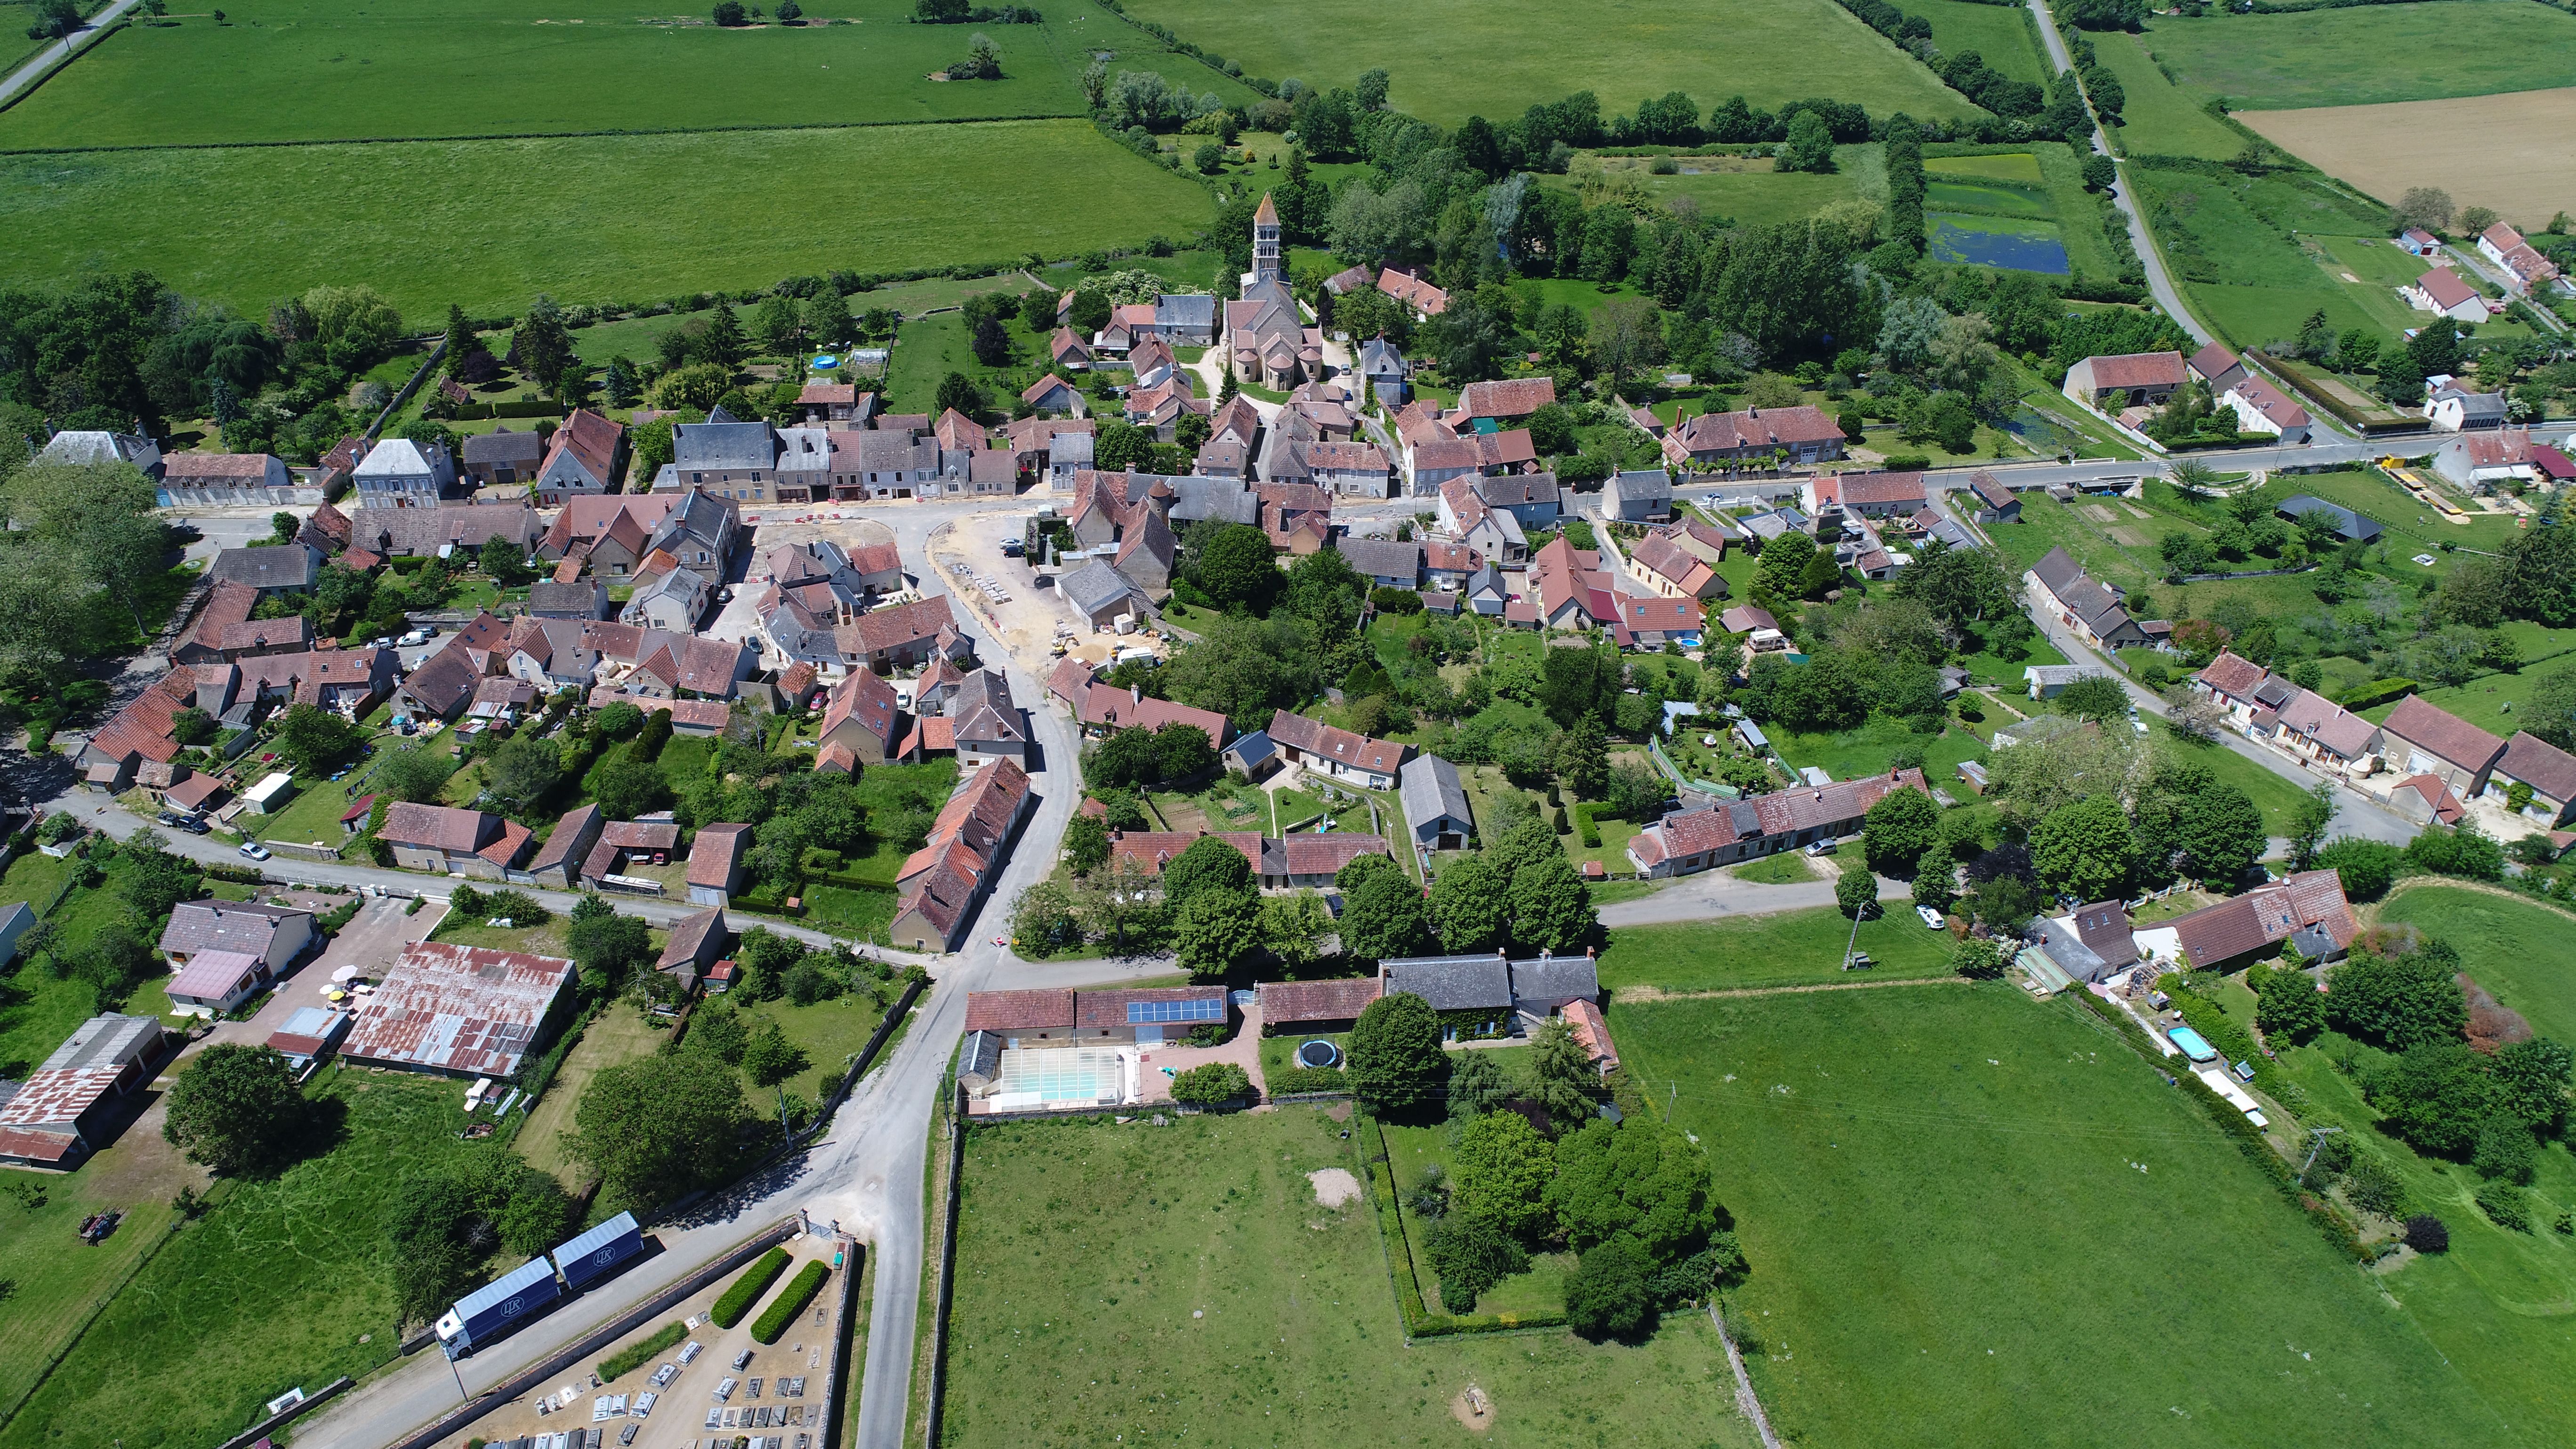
{"points": [[1319, 1054]]}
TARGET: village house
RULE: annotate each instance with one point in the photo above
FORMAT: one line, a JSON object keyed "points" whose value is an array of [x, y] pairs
{"points": [[1671, 571], [400, 473], [1995, 502], [860, 717], [1384, 562], [1642, 495], [1865, 495], [2505, 247], [224, 629], [1509, 400], [1702, 837], [276, 568], [1416, 293], [503, 457], [2089, 607], [444, 840], [2441, 292], [2262, 408], [940, 885], [2458, 410], [2126, 380], [2422, 739], [585, 458], [2481, 462], [1435, 803], [1755, 437], [2548, 772], [1337, 753], [215, 480], [2307, 910]]}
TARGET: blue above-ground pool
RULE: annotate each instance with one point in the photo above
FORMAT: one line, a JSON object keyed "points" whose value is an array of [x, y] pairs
{"points": [[2193, 1044], [826, 363]]}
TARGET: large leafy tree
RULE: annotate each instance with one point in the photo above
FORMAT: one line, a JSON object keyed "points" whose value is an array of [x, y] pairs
{"points": [[1551, 906], [1502, 1171], [2082, 848], [1382, 912], [1608, 1296], [1209, 864], [524, 771], [1470, 1254], [659, 1126], [1397, 1066], [1470, 905], [2400, 1000], [1236, 568], [1216, 929], [1638, 1177], [1562, 1077], [95, 517], [1898, 830], [235, 1109], [315, 738]]}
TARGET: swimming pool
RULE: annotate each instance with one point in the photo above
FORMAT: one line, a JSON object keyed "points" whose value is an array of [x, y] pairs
{"points": [[1060, 1074], [2193, 1044]]}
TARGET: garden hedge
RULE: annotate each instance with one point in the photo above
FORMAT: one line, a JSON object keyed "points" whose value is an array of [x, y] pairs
{"points": [[791, 1301], [746, 1290]]}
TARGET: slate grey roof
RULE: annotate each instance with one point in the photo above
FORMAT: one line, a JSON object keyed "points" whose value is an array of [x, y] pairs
{"points": [[1453, 983], [550, 600], [2065, 946], [273, 566], [212, 925], [1647, 485], [502, 445], [980, 1058], [2348, 524], [1553, 979], [1383, 558], [1251, 750], [1200, 495], [1189, 310], [1379, 358], [1094, 587], [723, 442], [1430, 790]]}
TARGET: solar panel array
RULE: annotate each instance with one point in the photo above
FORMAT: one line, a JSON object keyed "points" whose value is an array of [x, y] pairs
{"points": [[1204, 1008]]}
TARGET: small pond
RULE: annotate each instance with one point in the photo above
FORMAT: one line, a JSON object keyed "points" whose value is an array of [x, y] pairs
{"points": [[1987, 241]]}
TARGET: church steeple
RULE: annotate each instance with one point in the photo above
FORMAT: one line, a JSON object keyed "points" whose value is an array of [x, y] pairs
{"points": [[1265, 242]]}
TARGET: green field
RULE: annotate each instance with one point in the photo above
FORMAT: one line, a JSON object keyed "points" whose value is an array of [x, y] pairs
{"points": [[1792, 948], [2157, 117], [1956, 1202], [626, 219], [1451, 59], [1745, 189], [275, 1287], [2001, 34], [298, 70], [2365, 55], [1182, 1285]]}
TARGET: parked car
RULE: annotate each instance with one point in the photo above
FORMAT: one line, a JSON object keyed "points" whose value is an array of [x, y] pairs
{"points": [[1013, 548], [192, 825], [417, 636], [1821, 847], [1931, 917], [254, 850]]}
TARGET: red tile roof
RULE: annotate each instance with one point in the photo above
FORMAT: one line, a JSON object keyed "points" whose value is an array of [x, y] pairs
{"points": [[1512, 397], [2441, 733], [1009, 1011], [1283, 1002], [714, 854], [2138, 369], [1312, 855], [2543, 766], [1340, 746], [2445, 288]]}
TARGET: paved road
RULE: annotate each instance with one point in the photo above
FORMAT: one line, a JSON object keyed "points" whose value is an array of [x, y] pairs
{"points": [[81, 39], [867, 1175], [1715, 893], [2475, 261], [2355, 814]]}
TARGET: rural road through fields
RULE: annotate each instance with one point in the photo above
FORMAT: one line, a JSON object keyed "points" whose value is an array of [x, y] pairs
{"points": [[34, 70]]}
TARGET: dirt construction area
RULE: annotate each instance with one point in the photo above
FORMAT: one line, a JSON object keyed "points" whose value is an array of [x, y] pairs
{"points": [[2514, 153], [1003, 594]]}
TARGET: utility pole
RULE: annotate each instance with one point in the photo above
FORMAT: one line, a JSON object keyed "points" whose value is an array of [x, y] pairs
{"points": [[2318, 1139]]}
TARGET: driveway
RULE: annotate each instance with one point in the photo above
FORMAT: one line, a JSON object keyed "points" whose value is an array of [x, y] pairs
{"points": [[1243, 1049]]}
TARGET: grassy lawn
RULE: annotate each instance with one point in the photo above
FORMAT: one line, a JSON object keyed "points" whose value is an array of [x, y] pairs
{"points": [[2276, 796], [275, 1287], [848, 911], [1789, 867], [33, 878], [1411, 1153], [545, 940], [59, 1279], [1278, 1053], [1922, 1182], [618, 1034], [2390, 53], [562, 215], [831, 1032], [1794, 948], [1850, 754], [1450, 59], [1086, 1249]]}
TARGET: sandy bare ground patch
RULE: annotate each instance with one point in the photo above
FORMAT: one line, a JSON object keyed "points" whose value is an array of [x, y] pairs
{"points": [[1473, 1408], [1334, 1186], [2521, 162]]}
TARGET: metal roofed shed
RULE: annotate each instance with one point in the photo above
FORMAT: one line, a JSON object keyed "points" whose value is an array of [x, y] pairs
{"points": [[494, 1309], [588, 1258], [463, 1010], [270, 793]]}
